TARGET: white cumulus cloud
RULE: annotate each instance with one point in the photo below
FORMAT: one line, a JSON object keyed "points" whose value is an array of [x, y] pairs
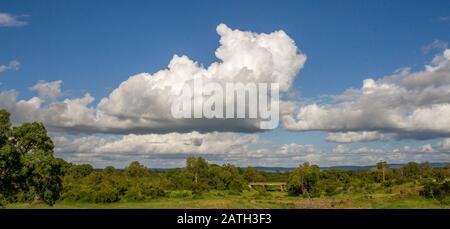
{"points": [[48, 90], [406, 104], [219, 147], [348, 137], [142, 103]]}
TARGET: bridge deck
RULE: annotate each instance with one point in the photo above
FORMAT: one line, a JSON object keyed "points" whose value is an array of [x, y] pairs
{"points": [[267, 183], [282, 185]]}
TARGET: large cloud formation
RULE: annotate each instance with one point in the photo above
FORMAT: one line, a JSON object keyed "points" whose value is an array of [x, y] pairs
{"points": [[171, 149], [142, 103], [406, 104]]}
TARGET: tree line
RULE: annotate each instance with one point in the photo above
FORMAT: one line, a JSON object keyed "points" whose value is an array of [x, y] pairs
{"points": [[30, 173]]}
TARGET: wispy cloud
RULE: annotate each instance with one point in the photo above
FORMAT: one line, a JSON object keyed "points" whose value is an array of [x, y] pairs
{"points": [[445, 19], [435, 45], [10, 20], [12, 65]]}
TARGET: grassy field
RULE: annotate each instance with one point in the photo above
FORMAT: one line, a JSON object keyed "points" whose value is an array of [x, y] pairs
{"points": [[398, 198]]}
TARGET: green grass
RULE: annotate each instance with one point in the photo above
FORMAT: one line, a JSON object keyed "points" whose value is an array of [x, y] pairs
{"points": [[252, 199]]}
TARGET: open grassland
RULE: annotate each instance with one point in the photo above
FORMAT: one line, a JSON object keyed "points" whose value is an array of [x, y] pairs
{"points": [[399, 198]]}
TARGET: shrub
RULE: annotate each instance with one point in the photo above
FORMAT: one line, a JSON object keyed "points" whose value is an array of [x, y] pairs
{"points": [[181, 194], [134, 194], [436, 190], [234, 193], [262, 195], [332, 189], [106, 194], [445, 200], [154, 192], [3, 201]]}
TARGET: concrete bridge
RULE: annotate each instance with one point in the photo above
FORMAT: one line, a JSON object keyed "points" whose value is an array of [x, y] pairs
{"points": [[281, 185]]}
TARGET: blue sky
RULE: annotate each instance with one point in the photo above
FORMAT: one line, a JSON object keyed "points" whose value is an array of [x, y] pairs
{"points": [[110, 40], [93, 46]]}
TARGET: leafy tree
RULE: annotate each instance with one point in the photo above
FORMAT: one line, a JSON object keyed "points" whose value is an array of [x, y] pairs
{"points": [[253, 175], [303, 181], [5, 126], [225, 177], [31, 137], [42, 173], [381, 167], [235, 181], [198, 167], [9, 160], [439, 191], [426, 171], [109, 170], [27, 163], [106, 193], [79, 171], [180, 179], [411, 171], [135, 169]]}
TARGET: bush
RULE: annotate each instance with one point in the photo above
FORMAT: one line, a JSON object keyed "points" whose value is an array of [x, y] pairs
{"points": [[388, 183], [234, 193], [262, 195], [134, 194], [197, 190], [436, 190], [106, 194], [181, 194], [3, 201], [446, 200], [332, 189], [143, 191], [154, 192]]}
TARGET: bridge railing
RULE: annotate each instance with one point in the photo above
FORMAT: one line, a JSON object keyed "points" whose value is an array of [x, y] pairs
{"points": [[281, 185]]}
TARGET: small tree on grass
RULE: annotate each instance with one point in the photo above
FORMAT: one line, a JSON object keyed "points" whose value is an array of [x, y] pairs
{"points": [[304, 181], [381, 166]]}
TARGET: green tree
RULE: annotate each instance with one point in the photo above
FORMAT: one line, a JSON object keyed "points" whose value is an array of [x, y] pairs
{"points": [[109, 170], [9, 170], [198, 167], [381, 167], [253, 175], [135, 169], [426, 171], [5, 126], [411, 171], [79, 171], [27, 164], [42, 173], [9, 160], [304, 181], [31, 137], [235, 181]]}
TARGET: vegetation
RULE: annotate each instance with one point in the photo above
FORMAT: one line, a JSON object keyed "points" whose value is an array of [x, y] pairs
{"points": [[30, 174], [28, 170]]}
